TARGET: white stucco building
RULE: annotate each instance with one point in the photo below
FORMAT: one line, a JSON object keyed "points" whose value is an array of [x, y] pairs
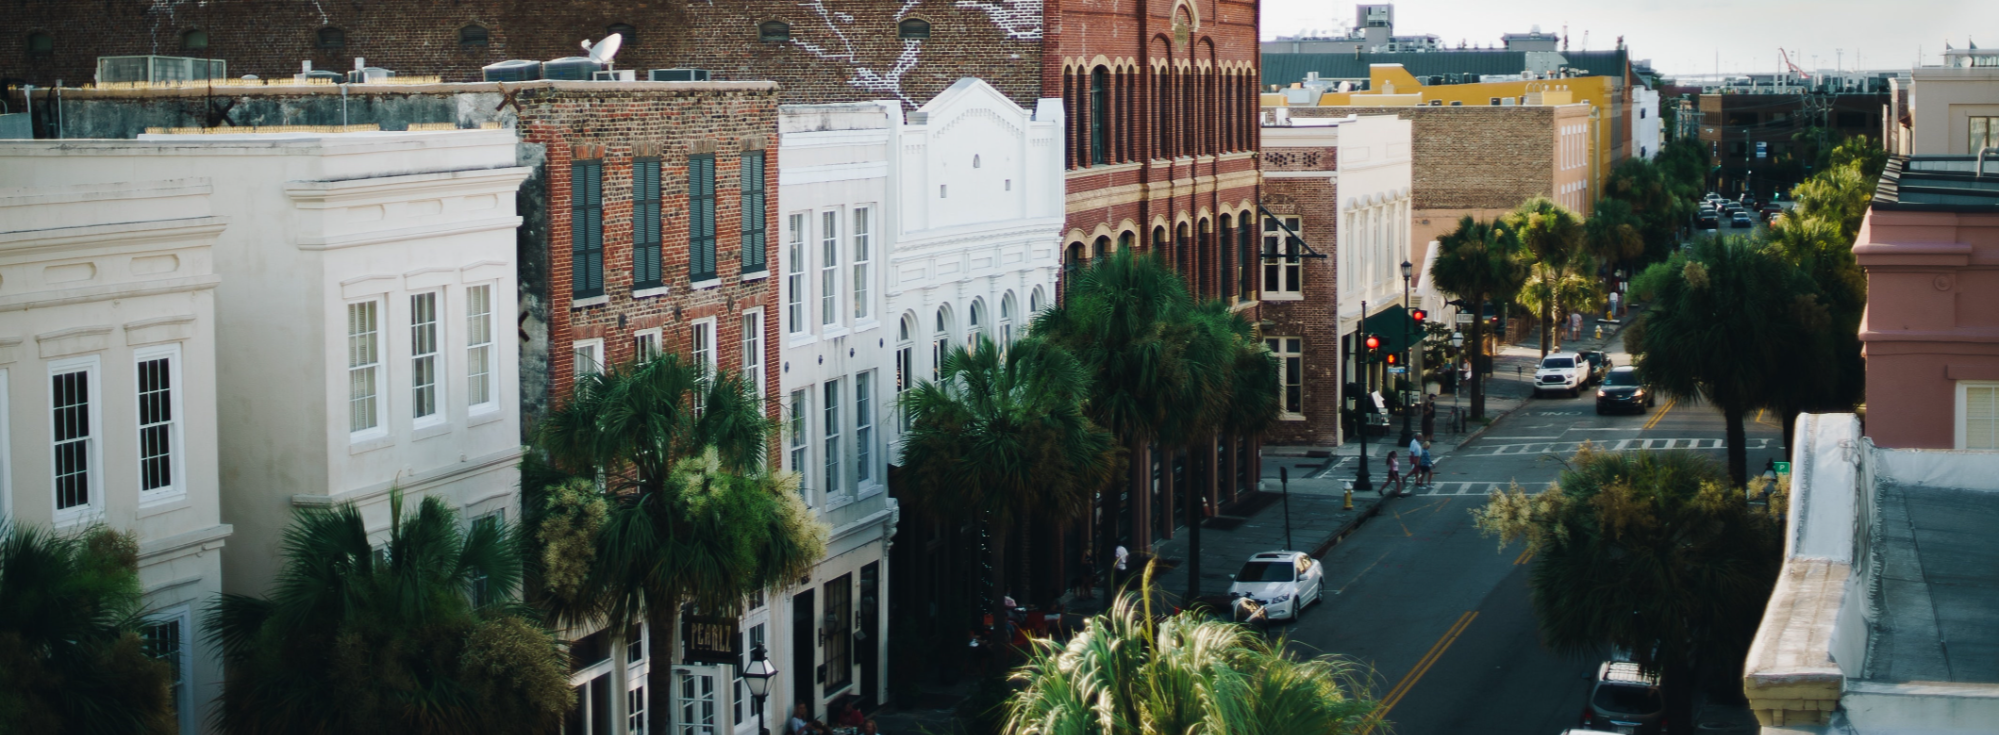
{"points": [[362, 337], [107, 391], [1646, 127]]}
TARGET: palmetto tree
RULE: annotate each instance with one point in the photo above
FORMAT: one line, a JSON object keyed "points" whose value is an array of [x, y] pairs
{"points": [[1000, 437], [1231, 387], [1116, 319], [1553, 237], [71, 659], [1649, 552], [419, 636], [693, 517], [1127, 675], [1479, 262], [1560, 293]]}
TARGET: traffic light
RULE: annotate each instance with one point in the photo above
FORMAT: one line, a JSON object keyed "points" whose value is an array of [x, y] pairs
{"points": [[1391, 358], [1373, 353], [1419, 315]]}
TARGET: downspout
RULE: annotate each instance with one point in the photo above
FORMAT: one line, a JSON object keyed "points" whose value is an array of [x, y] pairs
{"points": [[343, 106], [58, 91]]}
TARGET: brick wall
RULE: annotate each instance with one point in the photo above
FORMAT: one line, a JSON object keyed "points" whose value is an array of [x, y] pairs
{"points": [[1313, 319], [1472, 157]]}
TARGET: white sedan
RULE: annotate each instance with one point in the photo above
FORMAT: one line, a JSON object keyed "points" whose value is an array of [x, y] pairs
{"points": [[1281, 582]]}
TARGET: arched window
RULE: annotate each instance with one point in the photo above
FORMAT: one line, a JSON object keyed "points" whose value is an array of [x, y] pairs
{"points": [[1102, 248], [1204, 257], [916, 28], [1159, 247], [1035, 301], [332, 38], [905, 360], [940, 342], [630, 35], [194, 39], [1007, 316], [1182, 242], [473, 35], [1124, 241], [773, 31], [1227, 256], [1100, 103], [1072, 263], [976, 323]]}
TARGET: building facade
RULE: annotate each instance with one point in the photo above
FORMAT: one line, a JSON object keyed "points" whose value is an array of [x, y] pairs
{"points": [[1953, 109], [1344, 186], [107, 392], [1646, 126]]}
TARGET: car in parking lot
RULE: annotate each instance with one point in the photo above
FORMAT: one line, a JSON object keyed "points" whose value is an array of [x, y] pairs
{"points": [[1560, 372], [1282, 583], [1621, 390], [1625, 700], [1741, 219]]}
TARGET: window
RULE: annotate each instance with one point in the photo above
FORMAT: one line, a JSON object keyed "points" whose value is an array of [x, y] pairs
{"points": [[423, 355], [1984, 134], [703, 346], [628, 34], [905, 362], [72, 383], [1290, 374], [165, 639], [332, 38], [41, 44], [829, 272], [364, 363], [799, 451], [471, 36], [864, 427], [773, 31], [1281, 264], [913, 28], [940, 342], [479, 348], [977, 326], [753, 353], [831, 396], [701, 217], [1978, 415], [589, 357], [1006, 319], [645, 345], [194, 39], [586, 229], [794, 275], [1034, 301], [861, 262], [159, 419], [753, 211], [839, 633], [1099, 110], [645, 223]]}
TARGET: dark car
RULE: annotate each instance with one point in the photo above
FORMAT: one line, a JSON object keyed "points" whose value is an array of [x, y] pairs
{"points": [[1708, 222], [1741, 219], [1599, 364], [1622, 391]]}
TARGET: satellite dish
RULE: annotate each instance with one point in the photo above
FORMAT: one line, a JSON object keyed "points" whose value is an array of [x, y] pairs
{"points": [[602, 51]]}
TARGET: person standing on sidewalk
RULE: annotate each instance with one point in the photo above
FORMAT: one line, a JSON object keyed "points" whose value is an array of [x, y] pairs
{"points": [[1429, 415]]}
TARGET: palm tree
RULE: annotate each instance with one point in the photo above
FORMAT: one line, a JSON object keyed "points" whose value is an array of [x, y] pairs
{"points": [[71, 657], [1000, 438], [1562, 293], [1648, 552], [420, 635], [1720, 328], [1126, 675], [1553, 237], [693, 516], [1231, 388], [1115, 321], [1479, 262]]}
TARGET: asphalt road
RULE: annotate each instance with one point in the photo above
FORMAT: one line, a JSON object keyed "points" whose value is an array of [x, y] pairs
{"points": [[1441, 613]]}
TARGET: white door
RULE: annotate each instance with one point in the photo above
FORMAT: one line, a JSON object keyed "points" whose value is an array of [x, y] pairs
{"points": [[695, 699]]}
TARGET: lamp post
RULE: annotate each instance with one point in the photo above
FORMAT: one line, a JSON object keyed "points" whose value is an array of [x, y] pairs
{"points": [[1458, 349], [757, 676], [1407, 432], [1360, 478]]}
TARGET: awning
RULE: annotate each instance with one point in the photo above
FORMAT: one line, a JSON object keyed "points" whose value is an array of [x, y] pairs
{"points": [[1394, 327]]}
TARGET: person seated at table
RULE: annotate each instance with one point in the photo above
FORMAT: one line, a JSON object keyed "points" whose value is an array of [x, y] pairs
{"points": [[847, 715], [868, 727]]}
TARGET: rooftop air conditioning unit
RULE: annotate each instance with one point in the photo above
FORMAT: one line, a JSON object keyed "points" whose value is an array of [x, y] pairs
{"points": [[572, 68], [614, 75], [678, 75], [115, 69], [369, 74], [517, 70]]}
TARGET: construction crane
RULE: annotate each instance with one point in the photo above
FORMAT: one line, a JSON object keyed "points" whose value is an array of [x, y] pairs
{"points": [[1794, 67]]}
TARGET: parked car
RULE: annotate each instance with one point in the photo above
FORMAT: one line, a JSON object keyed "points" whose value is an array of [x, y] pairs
{"points": [[1741, 219], [1599, 364], [1708, 221], [1560, 372], [1625, 700], [1621, 390], [1281, 582]]}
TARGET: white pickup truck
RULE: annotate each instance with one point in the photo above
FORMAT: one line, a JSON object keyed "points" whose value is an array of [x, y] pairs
{"points": [[1564, 372]]}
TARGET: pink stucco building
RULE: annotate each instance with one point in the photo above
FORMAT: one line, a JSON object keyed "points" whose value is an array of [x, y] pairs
{"points": [[1930, 246]]}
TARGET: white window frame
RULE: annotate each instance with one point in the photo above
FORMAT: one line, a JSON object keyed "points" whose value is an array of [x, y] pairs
{"points": [[863, 257], [752, 326], [865, 391], [830, 434], [1009, 311], [1292, 272], [437, 413], [581, 350], [183, 691], [1277, 346], [377, 371], [93, 369], [176, 486], [973, 328], [646, 345], [940, 341], [829, 268], [905, 363], [701, 345], [1962, 409], [798, 316], [481, 353], [798, 447]]}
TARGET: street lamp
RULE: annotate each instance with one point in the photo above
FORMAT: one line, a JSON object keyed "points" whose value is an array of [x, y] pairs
{"points": [[1360, 479], [1407, 433], [1458, 349], [757, 676]]}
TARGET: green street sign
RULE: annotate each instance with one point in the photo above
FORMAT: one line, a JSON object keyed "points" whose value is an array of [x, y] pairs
{"points": [[1783, 468]]}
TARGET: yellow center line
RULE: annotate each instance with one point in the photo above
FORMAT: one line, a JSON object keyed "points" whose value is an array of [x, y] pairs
{"points": [[1670, 403], [1415, 674], [1524, 556]]}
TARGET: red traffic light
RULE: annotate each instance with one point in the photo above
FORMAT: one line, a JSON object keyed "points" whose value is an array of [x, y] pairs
{"points": [[1373, 342], [1419, 315], [1391, 358]]}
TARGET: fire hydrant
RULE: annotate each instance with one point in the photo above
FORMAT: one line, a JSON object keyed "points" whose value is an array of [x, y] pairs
{"points": [[1349, 500], [1599, 331]]}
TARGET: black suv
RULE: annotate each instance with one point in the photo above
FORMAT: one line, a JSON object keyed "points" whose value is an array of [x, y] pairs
{"points": [[1621, 390]]}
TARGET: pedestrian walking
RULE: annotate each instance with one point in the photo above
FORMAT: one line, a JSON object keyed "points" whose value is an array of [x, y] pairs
{"points": [[1427, 464], [1394, 474], [1575, 325], [1614, 304], [1416, 461]]}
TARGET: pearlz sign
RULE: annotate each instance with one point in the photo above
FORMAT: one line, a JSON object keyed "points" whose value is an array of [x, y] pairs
{"points": [[709, 640]]}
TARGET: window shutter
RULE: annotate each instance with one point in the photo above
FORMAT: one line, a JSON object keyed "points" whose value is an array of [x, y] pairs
{"points": [[1981, 417]]}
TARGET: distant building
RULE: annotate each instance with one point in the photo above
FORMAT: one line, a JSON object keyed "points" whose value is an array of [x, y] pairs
{"points": [[108, 389], [1373, 32], [1951, 109], [1647, 129], [1759, 141]]}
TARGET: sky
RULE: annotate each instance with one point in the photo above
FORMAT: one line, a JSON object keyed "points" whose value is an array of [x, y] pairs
{"points": [[1685, 36]]}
